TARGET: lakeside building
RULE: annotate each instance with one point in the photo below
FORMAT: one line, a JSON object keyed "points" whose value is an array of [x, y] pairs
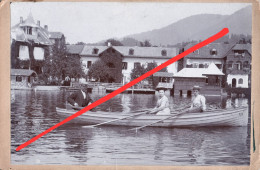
{"points": [[201, 58], [30, 42], [164, 79], [208, 78], [122, 59], [22, 78], [238, 66], [234, 60], [56, 38]]}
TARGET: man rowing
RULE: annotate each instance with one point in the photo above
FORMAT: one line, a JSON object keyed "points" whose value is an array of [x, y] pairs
{"points": [[80, 98], [198, 102]]}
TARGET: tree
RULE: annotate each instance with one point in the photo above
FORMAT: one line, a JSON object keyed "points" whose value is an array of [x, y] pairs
{"points": [[151, 66], [57, 65], [99, 71], [141, 69], [80, 43], [113, 42], [137, 71], [146, 43]]}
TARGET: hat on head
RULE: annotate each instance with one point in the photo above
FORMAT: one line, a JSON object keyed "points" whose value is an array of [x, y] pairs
{"points": [[196, 87], [160, 88]]}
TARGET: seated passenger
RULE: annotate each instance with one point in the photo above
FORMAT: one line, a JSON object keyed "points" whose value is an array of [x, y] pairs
{"points": [[198, 102], [162, 107]]}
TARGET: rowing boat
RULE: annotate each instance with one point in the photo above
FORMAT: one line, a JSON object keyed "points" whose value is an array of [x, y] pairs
{"points": [[221, 117]]}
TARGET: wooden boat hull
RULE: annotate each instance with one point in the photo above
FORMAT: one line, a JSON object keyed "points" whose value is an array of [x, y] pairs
{"points": [[223, 117]]}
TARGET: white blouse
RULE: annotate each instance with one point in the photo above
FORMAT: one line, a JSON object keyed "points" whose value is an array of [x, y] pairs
{"points": [[199, 101]]}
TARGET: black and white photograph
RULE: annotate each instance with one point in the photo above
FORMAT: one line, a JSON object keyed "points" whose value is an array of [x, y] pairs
{"points": [[65, 56]]}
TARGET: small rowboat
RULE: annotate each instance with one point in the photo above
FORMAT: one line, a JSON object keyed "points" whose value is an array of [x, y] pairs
{"points": [[221, 117]]}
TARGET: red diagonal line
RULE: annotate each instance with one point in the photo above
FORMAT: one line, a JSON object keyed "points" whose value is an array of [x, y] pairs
{"points": [[121, 89]]}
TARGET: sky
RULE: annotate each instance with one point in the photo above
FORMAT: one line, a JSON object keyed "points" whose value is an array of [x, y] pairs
{"points": [[91, 22]]}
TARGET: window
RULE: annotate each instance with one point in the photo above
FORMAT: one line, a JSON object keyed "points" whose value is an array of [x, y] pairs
{"points": [[201, 65], [124, 65], [95, 51], [240, 81], [213, 52], [89, 64], [28, 30], [164, 53], [131, 51], [206, 65], [246, 64], [195, 65], [189, 66], [239, 53], [219, 66], [238, 65], [19, 79], [137, 64], [230, 64]]}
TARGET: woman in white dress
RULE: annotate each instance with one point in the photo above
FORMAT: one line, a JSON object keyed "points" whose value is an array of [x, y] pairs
{"points": [[162, 106], [198, 102]]}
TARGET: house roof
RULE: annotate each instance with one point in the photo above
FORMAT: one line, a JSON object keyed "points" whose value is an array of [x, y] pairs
{"points": [[18, 34], [22, 72], [148, 52], [56, 35], [88, 50], [163, 74], [199, 72], [29, 21], [204, 52], [74, 49], [191, 73], [213, 70], [243, 47]]}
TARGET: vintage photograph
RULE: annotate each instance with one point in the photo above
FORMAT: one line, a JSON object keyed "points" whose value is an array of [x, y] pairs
{"points": [[67, 55]]}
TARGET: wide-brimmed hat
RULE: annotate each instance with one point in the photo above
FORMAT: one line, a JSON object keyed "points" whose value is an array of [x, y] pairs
{"points": [[160, 88], [196, 87]]}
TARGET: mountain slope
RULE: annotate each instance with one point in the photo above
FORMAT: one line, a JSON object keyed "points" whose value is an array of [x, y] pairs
{"points": [[199, 27]]}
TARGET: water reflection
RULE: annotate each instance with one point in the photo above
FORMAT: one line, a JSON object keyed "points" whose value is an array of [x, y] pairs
{"points": [[33, 112]]}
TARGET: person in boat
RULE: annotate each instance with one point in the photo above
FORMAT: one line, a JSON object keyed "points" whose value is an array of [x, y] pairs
{"points": [[198, 101], [162, 106], [80, 98]]}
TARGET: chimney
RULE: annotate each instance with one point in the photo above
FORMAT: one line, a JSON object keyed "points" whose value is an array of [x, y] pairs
{"points": [[38, 23], [46, 27], [109, 44], [21, 20]]}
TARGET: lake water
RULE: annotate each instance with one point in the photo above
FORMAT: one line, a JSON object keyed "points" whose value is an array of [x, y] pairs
{"points": [[32, 112]]}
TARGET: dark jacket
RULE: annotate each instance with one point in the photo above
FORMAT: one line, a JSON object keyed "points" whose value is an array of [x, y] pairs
{"points": [[78, 97]]}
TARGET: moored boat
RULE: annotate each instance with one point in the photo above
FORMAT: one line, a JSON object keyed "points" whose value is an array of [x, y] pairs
{"points": [[221, 117]]}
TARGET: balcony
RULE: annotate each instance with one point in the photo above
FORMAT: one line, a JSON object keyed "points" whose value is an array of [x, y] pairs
{"points": [[236, 71]]}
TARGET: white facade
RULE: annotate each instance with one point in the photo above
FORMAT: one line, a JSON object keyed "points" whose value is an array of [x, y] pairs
{"points": [[238, 80], [85, 60], [131, 60], [130, 64]]}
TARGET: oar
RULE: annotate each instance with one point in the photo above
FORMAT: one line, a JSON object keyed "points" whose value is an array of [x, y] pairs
{"points": [[169, 117], [137, 114]]}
